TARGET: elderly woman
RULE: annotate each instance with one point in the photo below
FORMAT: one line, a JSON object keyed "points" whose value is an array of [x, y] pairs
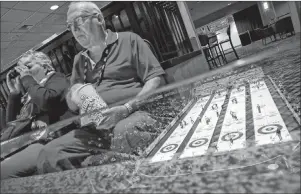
{"points": [[44, 98]]}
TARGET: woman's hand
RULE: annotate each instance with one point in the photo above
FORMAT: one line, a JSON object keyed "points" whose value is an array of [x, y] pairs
{"points": [[38, 124], [14, 85], [22, 70]]}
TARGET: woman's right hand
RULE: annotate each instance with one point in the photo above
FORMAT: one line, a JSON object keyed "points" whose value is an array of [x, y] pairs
{"points": [[14, 85]]}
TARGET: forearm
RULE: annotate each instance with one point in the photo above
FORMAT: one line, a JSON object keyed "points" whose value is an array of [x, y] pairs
{"points": [[13, 107], [45, 96], [150, 86]]}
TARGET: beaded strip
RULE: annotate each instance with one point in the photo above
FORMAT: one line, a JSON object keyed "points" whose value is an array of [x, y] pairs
{"points": [[103, 60]]}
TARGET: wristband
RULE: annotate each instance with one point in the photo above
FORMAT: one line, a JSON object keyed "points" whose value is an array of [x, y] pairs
{"points": [[130, 109]]}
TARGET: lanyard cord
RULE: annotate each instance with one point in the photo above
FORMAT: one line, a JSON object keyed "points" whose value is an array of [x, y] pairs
{"points": [[102, 61]]}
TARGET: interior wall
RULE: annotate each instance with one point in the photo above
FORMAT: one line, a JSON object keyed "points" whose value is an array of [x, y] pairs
{"points": [[298, 4], [188, 22], [295, 15], [204, 13], [248, 19], [267, 15], [281, 8], [229, 10], [1, 64], [199, 9]]}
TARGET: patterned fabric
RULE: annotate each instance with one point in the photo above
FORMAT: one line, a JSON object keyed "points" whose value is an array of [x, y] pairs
{"points": [[27, 109]]}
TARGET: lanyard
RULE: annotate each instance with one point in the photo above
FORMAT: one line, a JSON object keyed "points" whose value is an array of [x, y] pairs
{"points": [[102, 62]]}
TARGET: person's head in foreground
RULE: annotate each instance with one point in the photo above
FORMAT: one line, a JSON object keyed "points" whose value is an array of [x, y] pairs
{"points": [[86, 22]]}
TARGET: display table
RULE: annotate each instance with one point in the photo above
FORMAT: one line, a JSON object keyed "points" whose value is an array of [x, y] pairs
{"points": [[253, 158]]}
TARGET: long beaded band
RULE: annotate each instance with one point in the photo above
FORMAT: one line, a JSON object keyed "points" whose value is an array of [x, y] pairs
{"points": [[103, 60]]}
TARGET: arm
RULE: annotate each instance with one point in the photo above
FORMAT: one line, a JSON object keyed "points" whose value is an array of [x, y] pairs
{"points": [[148, 69], [149, 86], [13, 107], [75, 76], [45, 97], [2, 118], [14, 99]]}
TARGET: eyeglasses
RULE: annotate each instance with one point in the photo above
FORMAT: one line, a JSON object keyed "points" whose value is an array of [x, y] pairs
{"points": [[80, 20]]}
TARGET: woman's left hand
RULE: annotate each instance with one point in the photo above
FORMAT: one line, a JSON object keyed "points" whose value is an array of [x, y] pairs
{"points": [[38, 124], [22, 70]]}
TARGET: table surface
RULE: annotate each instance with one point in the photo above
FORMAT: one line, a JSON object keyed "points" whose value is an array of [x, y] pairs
{"points": [[271, 168]]}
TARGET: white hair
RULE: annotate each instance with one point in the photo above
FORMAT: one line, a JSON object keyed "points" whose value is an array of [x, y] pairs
{"points": [[88, 8], [39, 58]]}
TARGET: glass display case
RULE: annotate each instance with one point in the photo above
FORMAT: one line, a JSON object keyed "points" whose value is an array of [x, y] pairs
{"points": [[233, 128]]}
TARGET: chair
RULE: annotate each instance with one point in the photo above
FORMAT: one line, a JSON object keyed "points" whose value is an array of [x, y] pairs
{"points": [[268, 32], [152, 48], [210, 51], [230, 41], [214, 45], [284, 26]]}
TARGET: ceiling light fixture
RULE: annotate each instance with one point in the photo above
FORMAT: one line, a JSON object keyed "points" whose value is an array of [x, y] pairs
{"points": [[265, 5], [54, 7], [229, 3]]}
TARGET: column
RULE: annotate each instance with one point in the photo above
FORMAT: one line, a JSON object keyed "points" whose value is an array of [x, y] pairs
{"points": [[188, 22], [295, 15], [267, 12]]}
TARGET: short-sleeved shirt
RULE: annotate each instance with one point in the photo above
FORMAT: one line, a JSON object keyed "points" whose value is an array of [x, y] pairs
{"points": [[130, 64]]}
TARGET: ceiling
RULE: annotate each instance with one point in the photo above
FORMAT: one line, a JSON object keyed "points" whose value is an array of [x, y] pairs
{"points": [[25, 24]]}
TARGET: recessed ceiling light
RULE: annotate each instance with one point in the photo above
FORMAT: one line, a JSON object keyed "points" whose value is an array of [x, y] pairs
{"points": [[265, 5], [54, 7]]}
